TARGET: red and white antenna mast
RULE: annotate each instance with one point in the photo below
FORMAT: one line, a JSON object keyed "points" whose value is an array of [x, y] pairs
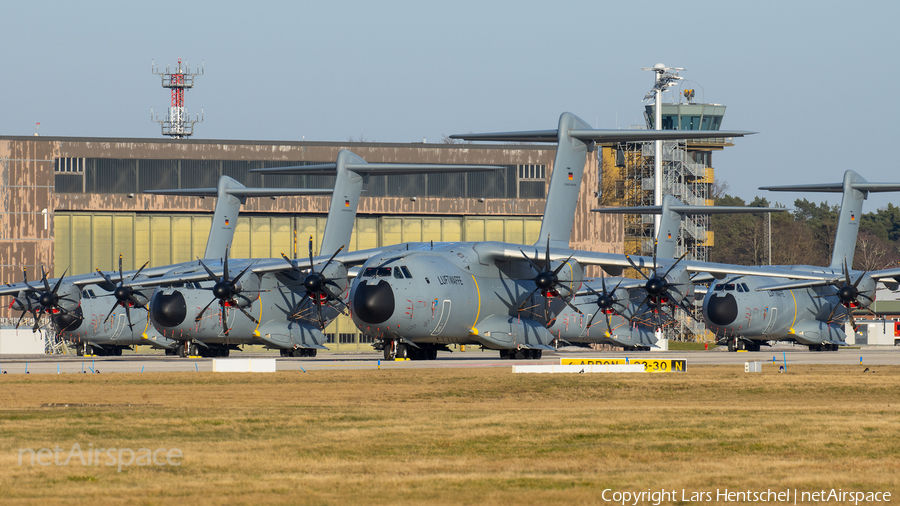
{"points": [[177, 124]]}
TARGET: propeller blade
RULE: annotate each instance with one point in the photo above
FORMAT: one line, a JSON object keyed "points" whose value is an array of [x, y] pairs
{"points": [[527, 298], [248, 315], [636, 267], [111, 312], [139, 270], [200, 315], [44, 279], [311, 255], [208, 270], [332, 257], [556, 271], [673, 265], [128, 316], [295, 312], [573, 307], [533, 265], [224, 320], [225, 265]]}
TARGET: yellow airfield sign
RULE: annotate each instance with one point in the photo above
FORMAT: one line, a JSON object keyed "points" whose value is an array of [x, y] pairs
{"points": [[650, 364]]}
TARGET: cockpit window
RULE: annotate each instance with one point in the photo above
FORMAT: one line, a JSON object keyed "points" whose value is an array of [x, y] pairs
{"points": [[719, 288], [381, 272], [740, 288], [746, 288], [397, 273], [405, 271], [729, 287]]}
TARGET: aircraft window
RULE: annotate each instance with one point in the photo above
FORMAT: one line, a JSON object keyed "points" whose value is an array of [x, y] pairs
{"points": [[719, 288], [369, 272], [384, 272], [740, 288], [405, 271], [729, 287], [746, 288], [397, 273]]}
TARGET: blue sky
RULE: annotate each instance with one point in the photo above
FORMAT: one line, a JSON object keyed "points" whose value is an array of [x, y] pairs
{"points": [[816, 79]]}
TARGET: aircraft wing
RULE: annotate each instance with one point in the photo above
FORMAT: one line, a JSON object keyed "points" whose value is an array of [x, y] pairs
{"points": [[86, 279], [887, 277], [262, 266], [497, 251]]}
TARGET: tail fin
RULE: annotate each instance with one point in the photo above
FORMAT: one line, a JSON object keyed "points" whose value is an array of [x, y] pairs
{"points": [[855, 189], [351, 172], [230, 194], [576, 139], [673, 211]]}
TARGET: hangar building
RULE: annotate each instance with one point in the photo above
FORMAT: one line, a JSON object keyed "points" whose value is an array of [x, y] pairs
{"points": [[75, 204]]}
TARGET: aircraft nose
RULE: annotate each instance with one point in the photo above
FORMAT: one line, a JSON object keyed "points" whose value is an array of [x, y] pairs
{"points": [[169, 310], [374, 303], [722, 310]]}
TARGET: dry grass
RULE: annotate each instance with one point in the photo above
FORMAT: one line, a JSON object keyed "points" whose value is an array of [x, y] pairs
{"points": [[452, 435]]}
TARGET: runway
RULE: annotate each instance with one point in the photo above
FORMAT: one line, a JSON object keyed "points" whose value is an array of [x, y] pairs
{"points": [[866, 356]]}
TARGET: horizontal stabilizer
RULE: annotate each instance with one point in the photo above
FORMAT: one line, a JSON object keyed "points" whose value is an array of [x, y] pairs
{"points": [[863, 186], [242, 192], [379, 169], [689, 210], [602, 135]]}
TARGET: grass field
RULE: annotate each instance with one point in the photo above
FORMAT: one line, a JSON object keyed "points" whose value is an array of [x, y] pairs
{"points": [[471, 436]]}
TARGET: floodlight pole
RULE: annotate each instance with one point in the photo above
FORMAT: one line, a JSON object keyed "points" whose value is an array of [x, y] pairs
{"points": [[664, 80]]}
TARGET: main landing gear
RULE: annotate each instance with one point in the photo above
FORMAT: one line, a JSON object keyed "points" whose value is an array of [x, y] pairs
{"points": [[394, 349], [186, 349], [823, 347], [298, 352], [85, 349], [523, 354], [736, 344]]}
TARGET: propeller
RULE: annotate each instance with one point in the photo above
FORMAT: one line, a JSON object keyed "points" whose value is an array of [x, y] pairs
{"points": [[226, 292], [657, 288], [848, 295], [27, 306], [547, 282], [316, 285], [606, 303], [124, 294], [49, 298]]}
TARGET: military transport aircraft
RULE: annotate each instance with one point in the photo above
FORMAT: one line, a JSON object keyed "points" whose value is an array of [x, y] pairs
{"points": [[80, 306], [622, 311], [417, 298], [285, 307], [748, 311]]}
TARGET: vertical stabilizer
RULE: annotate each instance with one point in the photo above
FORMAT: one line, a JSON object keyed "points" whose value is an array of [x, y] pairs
{"points": [[848, 221], [669, 225], [565, 183], [225, 218], [344, 203]]}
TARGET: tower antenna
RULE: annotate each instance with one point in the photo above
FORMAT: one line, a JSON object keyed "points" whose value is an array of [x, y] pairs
{"points": [[177, 124]]}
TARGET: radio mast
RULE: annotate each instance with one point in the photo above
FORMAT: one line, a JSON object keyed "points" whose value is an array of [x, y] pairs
{"points": [[177, 124]]}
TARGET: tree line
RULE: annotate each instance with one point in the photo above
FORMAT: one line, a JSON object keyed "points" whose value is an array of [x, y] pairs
{"points": [[804, 236]]}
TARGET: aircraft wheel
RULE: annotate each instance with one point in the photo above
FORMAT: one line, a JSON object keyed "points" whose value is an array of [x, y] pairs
{"points": [[387, 351], [731, 345], [504, 354], [402, 351], [519, 355], [225, 352], [79, 350], [117, 352], [311, 353], [536, 354], [432, 354], [297, 352], [89, 350], [285, 352], [194, 350]]}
